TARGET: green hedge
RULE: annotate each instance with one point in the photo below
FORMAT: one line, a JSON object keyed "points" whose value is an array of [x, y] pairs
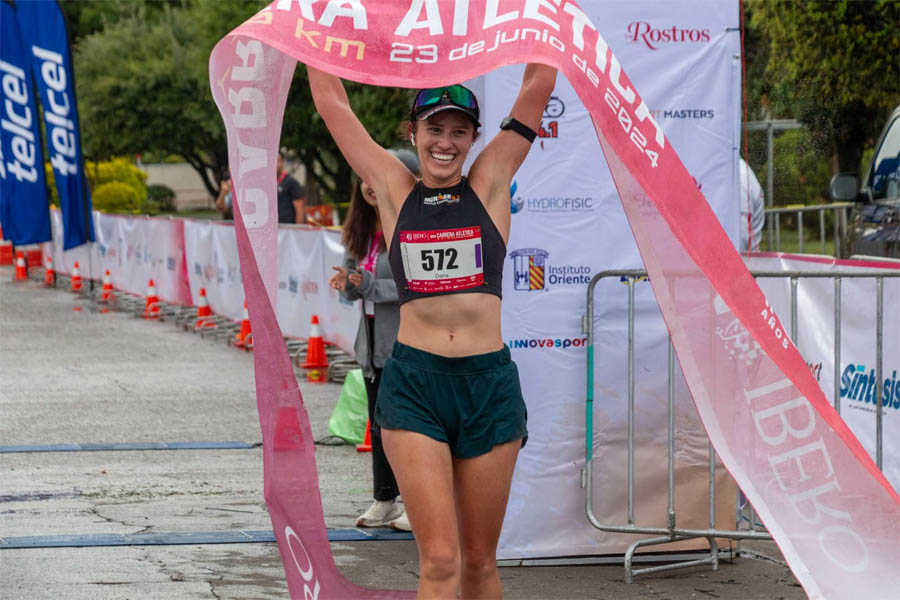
{"points": [[117, 196], [160, 198], [100, 175]]}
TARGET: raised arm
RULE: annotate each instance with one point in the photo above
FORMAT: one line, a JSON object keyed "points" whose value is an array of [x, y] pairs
{"points": [[382, 171], [498, 162]]}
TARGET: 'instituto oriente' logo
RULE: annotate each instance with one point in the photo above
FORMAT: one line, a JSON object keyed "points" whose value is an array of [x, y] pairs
{"points": [[531, 271]]}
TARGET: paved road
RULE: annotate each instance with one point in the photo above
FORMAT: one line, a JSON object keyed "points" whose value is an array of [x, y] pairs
{"points": [[80, 377]]}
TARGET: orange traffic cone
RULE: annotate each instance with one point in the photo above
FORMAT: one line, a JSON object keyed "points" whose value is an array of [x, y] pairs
{"points": [[244, 338], [49, 275], [366, 446], [106, 292], [315, 348], [203, 311], [21, 270], [151, 308], [76, 278]]}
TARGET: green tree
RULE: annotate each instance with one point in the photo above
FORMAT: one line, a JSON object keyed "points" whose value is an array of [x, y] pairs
{"points": [[832, 64], [85, 17], [143, 86]]}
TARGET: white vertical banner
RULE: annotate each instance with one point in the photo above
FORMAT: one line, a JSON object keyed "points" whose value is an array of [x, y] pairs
{"points": [[684, 56], [305, 261], [138, 249], [86, 255], [134, 249], [212, 263]]}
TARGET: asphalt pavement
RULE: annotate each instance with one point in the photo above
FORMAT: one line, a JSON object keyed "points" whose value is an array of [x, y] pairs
{"points": [[137, 444]]}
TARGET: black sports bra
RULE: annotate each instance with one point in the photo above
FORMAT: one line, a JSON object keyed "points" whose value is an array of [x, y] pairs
{"points": [[446, 243]]}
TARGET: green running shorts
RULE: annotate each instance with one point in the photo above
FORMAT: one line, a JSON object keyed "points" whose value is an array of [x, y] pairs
{"points": [[471, 403]]}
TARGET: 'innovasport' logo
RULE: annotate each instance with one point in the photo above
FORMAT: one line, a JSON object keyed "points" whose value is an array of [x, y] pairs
{"points": [[547, 343], [857, 384]]}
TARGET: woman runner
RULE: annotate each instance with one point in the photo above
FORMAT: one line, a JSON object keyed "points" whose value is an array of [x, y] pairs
{"points": [[450, 406]]}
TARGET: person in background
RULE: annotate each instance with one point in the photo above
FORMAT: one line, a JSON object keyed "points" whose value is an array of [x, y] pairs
{"points": [[753, 210], [366, 274], [225, 199], [291, 201]]}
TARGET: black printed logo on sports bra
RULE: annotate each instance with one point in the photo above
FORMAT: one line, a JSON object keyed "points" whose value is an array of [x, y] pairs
{"points": [[442, 199]]}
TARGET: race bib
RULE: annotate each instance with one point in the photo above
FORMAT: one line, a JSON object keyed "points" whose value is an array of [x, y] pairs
{"points": [[442, 260]]}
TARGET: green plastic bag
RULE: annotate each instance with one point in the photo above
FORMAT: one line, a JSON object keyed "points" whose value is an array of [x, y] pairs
{"points": [[348, 421]]}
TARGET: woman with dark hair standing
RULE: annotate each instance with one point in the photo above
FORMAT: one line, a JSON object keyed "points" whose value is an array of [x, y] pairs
{"points": [[366, 275], [450, 405]]}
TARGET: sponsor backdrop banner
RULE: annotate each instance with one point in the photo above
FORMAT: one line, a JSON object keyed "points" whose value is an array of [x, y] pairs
{"points": [[568, 224], [305, 258], [211, 251], [24, 210], [798, 463], [134, 249], [815, 333], [46, 39]]}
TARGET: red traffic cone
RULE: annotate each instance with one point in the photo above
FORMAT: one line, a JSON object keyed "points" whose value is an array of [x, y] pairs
{"points": [[315, 348], [151, 308], [21, 270], [366, 446], [203, 311], [244, 338], [76, 278], [49, 275], [106, 292]]}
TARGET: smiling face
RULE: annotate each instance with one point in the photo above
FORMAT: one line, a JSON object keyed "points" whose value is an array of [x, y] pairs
{"points": [[443, 141]]}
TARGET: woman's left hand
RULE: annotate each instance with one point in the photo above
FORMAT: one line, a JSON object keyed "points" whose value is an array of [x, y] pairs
{"points": [[355, 278], [339, 280]]}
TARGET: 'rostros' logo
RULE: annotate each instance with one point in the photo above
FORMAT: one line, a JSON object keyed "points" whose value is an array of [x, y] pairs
{"points": [[654, 37], [531, 271]]}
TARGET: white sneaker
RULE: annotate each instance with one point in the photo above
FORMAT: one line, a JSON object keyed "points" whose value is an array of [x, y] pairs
{"points": [[401, 523], [380, 514]]}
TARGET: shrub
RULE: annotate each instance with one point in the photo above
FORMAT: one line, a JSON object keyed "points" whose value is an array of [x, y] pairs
{"points": [[162, 197], [117, 196], [100, 174], [118, 169]]}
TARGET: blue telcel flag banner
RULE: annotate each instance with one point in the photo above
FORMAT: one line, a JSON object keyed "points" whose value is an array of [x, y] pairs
{"points": [[46, 39], [24, 210]]}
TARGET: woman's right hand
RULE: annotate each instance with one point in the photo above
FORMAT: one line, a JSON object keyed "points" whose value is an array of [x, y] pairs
{"points": [[339, 280]]}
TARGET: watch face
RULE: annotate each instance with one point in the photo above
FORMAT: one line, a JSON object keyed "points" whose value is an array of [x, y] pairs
{"points": [[504, 124]]}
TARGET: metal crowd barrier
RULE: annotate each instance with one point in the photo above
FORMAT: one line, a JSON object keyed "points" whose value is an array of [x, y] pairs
{"points": [[672, 533], [840, 224]]}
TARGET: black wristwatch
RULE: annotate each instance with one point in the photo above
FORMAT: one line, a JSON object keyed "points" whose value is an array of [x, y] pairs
{"points": [[524, 130]]}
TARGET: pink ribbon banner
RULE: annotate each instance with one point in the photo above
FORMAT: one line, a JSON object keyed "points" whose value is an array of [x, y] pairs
{"points": [[832, 513]]}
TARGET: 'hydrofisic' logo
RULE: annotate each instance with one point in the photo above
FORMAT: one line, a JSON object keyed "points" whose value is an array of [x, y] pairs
{"points": [[857, 384], [548, 204]]}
